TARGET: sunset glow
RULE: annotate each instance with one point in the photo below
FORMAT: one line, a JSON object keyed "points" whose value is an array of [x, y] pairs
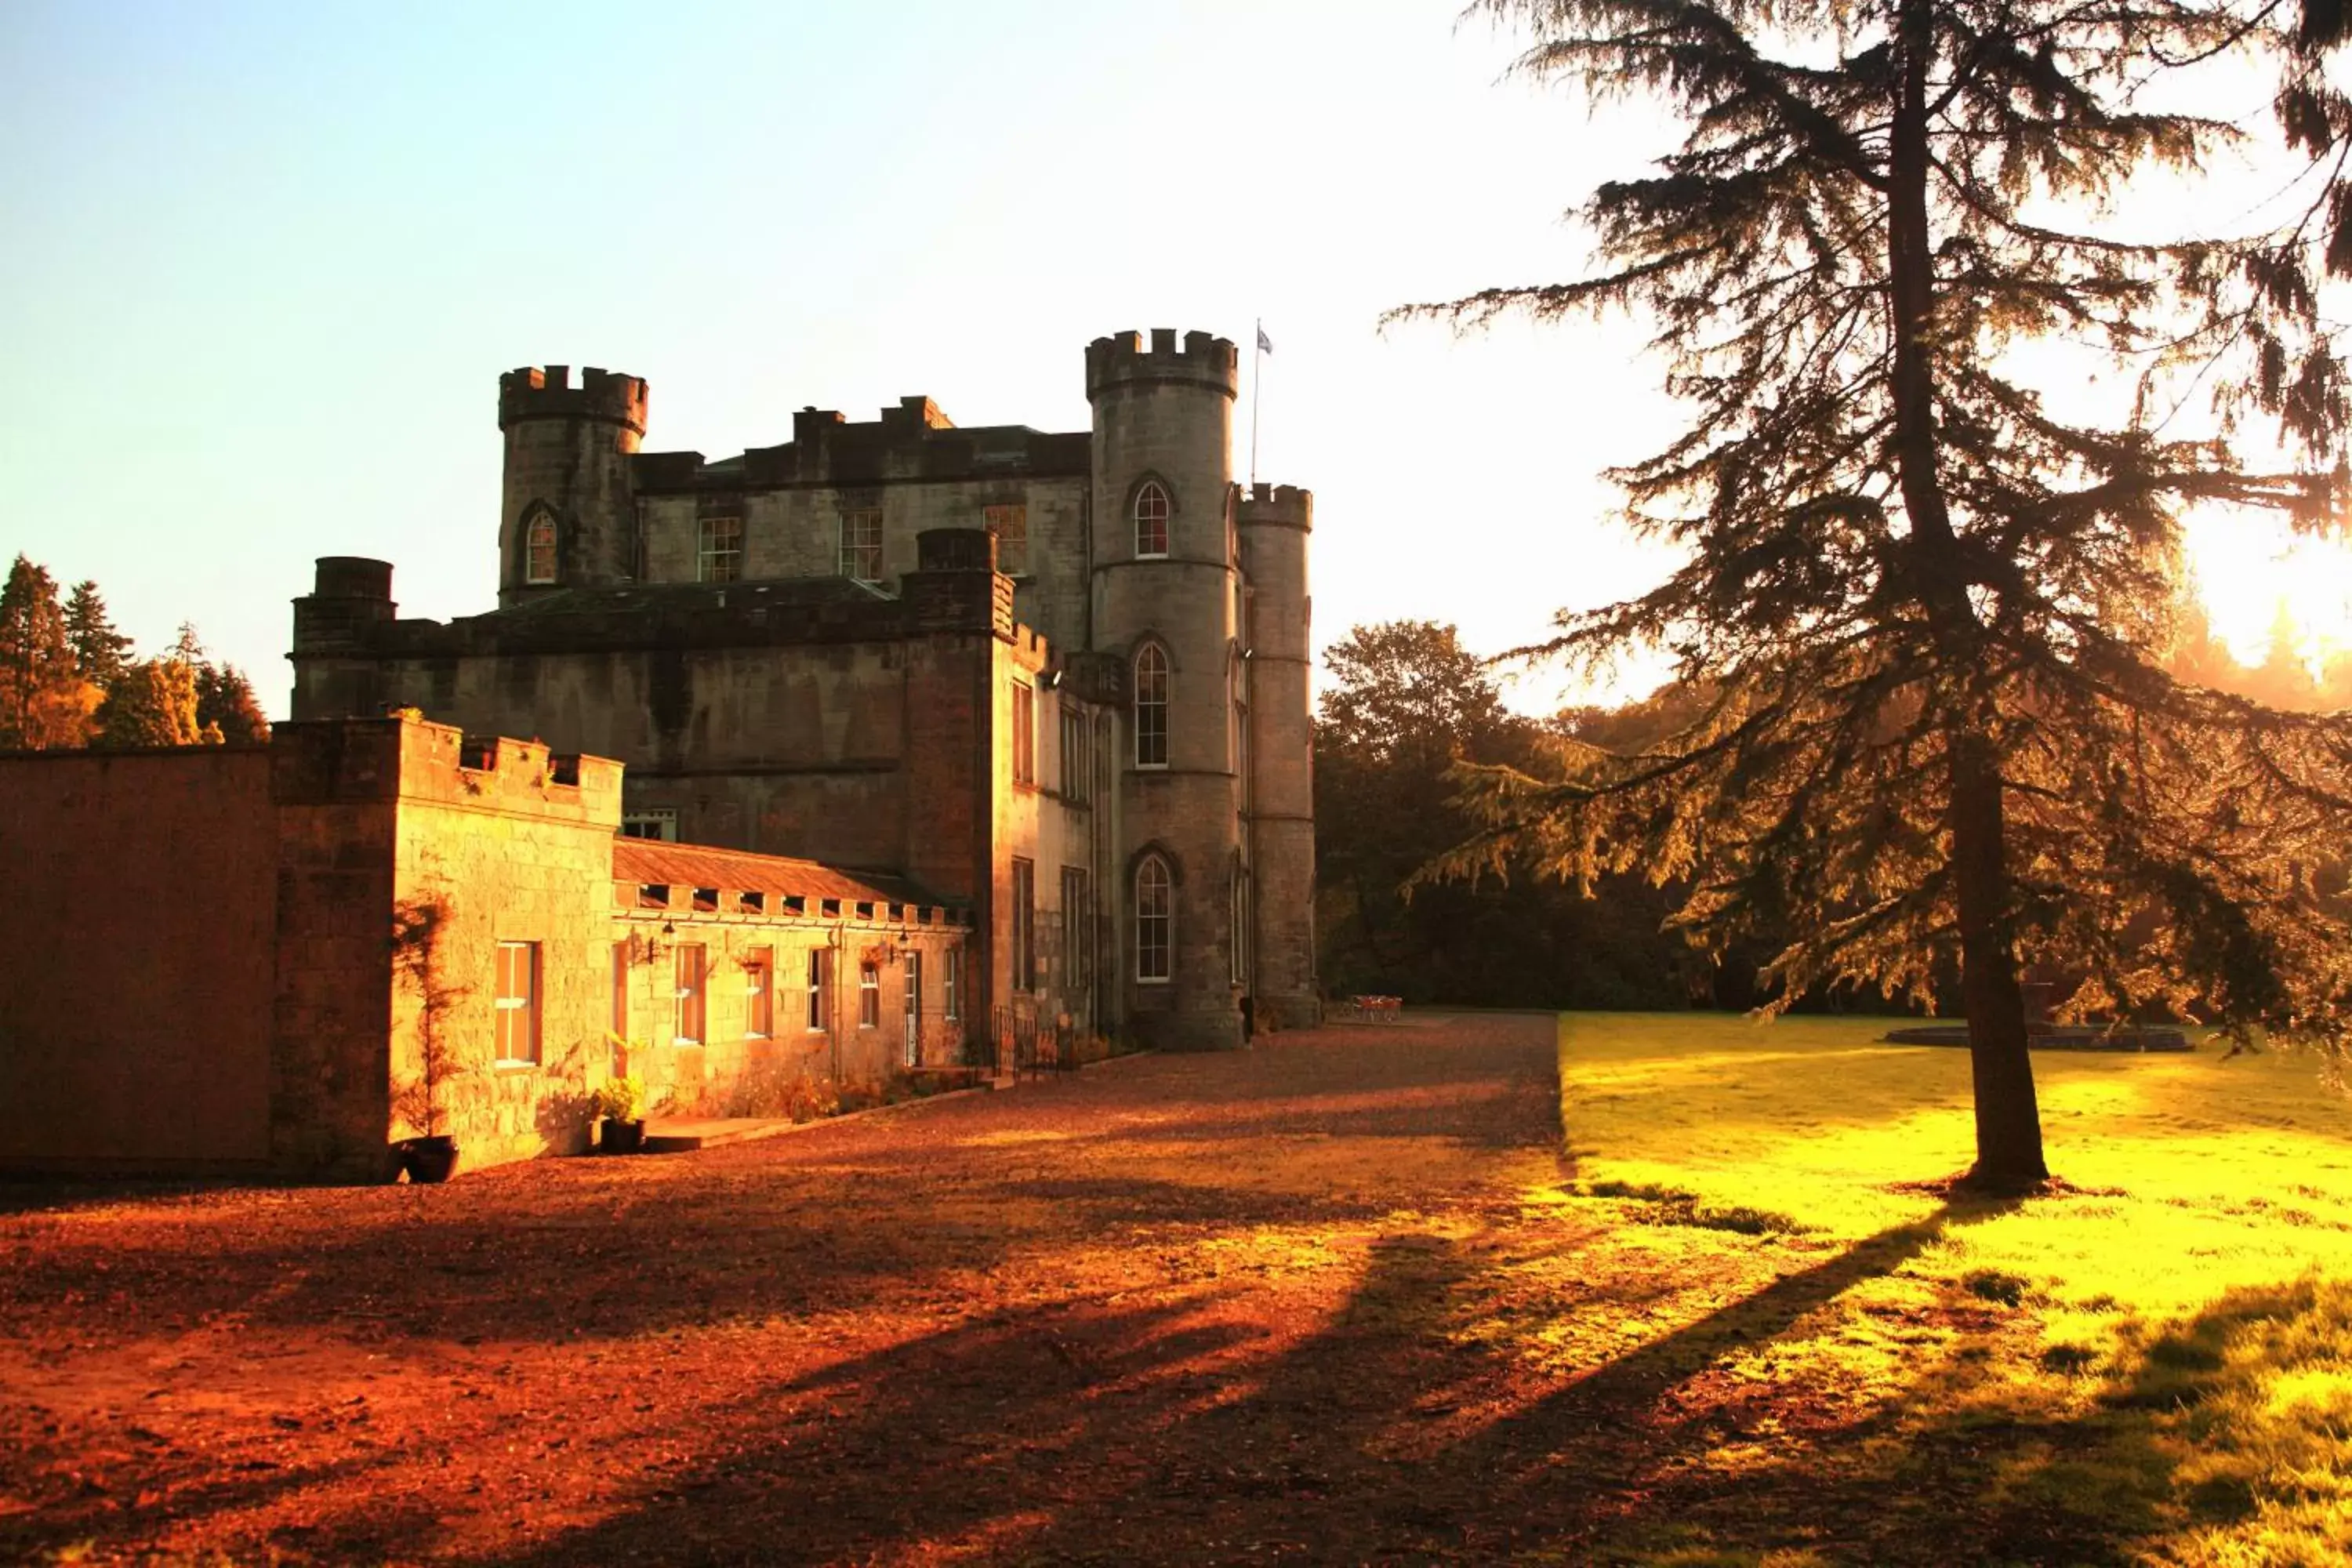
{"points": [[2247, 569]]}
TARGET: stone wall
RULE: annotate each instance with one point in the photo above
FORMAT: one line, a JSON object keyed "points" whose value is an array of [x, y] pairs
{"points": [[734, 1069], [500, 842], [333, 786], [796, 532], [134, 959]]}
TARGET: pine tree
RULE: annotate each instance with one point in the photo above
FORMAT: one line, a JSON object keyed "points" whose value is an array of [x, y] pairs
{"points": [[100, 651], [40, 698], [1928, 606], [225, 706]]}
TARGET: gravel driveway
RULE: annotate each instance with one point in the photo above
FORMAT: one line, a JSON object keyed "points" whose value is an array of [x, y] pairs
{"points": [[1177, 1308]]}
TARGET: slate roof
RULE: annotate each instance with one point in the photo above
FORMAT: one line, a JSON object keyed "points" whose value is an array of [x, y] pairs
{"points": [[654, 860]]}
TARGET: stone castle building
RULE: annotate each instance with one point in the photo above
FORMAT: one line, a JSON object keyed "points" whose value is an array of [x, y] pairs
{"points": [[1060, 679]]}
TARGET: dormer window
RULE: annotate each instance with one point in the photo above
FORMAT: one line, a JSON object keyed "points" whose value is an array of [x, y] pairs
{"points": [[538, 549], [1152, 511]]}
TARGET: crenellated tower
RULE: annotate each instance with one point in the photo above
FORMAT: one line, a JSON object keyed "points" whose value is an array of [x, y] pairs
{"points": [[1165, 598], [568, 514]]}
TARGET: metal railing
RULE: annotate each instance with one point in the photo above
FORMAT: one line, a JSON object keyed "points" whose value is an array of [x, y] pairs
{"points": [[1020, 1041]]}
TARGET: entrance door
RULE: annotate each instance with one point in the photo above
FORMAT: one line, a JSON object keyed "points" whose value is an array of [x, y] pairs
{"points": [[914, 989]]}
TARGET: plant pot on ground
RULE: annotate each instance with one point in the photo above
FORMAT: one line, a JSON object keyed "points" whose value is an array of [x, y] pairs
{"points": [[433, 1158], [621, 1102]]}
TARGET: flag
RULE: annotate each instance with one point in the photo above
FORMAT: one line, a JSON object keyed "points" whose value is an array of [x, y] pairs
{"points": [[1264, 344]]}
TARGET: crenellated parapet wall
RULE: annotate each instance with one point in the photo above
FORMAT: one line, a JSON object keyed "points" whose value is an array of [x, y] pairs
{"points": [[1265, 505], [1123, 360], [537, 392], [401, 757]]}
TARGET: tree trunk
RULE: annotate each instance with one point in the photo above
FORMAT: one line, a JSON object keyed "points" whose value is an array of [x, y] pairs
{"points": [[2009, 1120], [2009, 1123]]}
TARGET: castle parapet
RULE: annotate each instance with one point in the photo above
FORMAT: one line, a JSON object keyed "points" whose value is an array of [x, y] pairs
{"points": [[546, 393], [1121, 360], [1277, 506]]}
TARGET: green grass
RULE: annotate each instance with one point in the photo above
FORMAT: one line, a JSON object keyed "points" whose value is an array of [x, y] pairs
{"points": [[2155, 1366]]}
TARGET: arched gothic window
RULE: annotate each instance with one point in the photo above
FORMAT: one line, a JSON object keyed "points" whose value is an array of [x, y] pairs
{"points": [[1151, 519], [1151, 707], [1155, 921], [538, 549]]}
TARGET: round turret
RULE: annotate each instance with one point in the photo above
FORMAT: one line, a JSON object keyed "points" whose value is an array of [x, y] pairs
{"points": [[1274, 527], [568, 515], [1166, 592]]}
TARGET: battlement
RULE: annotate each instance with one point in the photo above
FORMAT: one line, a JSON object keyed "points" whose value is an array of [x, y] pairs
{"points": [[403, 756], [1276, 506], [1122, 361], [537, 392]]}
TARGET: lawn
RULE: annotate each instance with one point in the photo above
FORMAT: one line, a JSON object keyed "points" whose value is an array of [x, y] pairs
{"points": [[2155, 1364]]}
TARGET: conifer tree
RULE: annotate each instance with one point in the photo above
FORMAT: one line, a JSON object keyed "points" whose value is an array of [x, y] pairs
{"points": [[40, 702], [1928, 606], [153, 704], [100, 651], [225, 706]]}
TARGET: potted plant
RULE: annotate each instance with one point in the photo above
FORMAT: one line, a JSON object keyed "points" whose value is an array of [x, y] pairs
{"points": [[416, 928], [621, 1101]]}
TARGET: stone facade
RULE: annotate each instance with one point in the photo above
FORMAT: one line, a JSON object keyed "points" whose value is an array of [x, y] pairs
{"points": [[286, 958], [915, 649]]}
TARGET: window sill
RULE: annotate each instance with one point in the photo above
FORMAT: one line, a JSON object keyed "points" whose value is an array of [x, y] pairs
{"points": [[682, 1040], [504, 1065], [1154, 979]]}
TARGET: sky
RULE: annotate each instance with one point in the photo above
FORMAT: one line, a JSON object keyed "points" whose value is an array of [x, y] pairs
{"points": [[266, 262]]}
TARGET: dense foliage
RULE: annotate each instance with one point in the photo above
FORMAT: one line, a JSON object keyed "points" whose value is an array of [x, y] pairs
{"points": [[1927, 605], [69, 677], [1405, 704]]}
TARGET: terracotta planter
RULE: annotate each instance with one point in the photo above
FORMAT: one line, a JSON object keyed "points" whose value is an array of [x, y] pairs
{"points": [[622, 1137], [432, 1159]]}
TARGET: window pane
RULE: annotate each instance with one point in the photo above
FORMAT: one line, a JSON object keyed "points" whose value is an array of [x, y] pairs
{"points": [[1151, 520], [1025, 925], [1024, 733], [1010, 525], [756, 972], [689, 993], [1151, 708], [539, 549], [722, 552], [620, 989], [1153, 920], [516, 1004], [861, 545]]}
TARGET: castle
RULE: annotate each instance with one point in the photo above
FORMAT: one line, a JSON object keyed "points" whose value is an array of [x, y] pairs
{"points": [[1059, 680]]}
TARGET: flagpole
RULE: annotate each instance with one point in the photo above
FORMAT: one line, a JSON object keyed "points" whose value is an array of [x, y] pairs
{"points": [[1257, 381]]}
